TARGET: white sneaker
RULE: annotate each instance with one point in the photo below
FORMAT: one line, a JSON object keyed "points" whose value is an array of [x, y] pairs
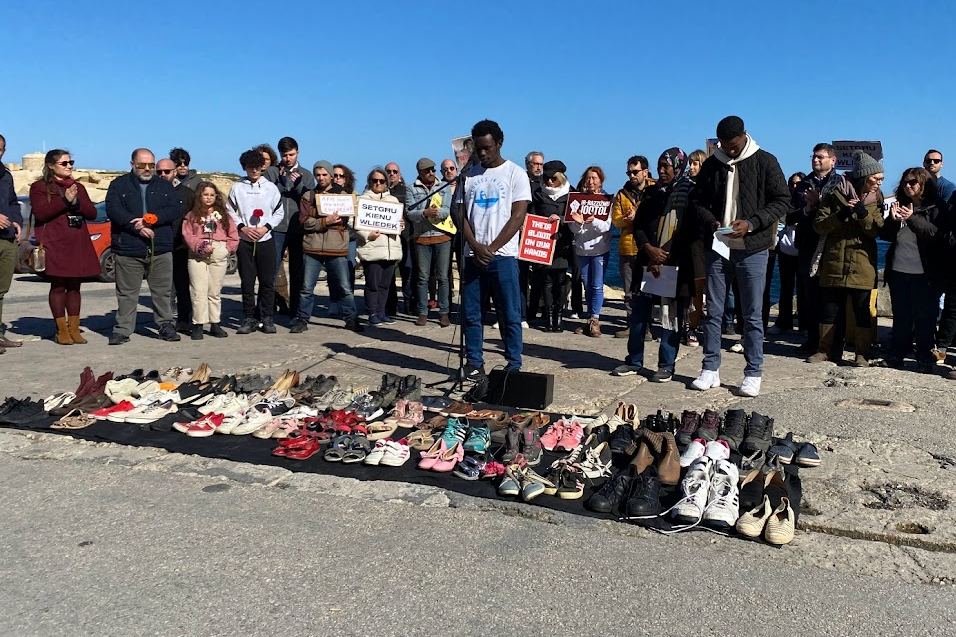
{"points": [[375, 456], [120, 390], [723, 505], [574, 315], [693, 451], [231, 421], [254, 419], [495, 326], [695, 486], [216, 405], [717, 450], [525, 324], [750, 387], [152, 413], [737, 348], [396, 453], [706, 380]]}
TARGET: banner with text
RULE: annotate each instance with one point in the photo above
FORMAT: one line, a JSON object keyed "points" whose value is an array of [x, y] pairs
{"points": [[844, 152], [341, 205], [597, 206], [384, 216], [537, 246]]}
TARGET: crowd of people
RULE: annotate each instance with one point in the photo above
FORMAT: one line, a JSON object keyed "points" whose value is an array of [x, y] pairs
{"points": [[718, 223]]}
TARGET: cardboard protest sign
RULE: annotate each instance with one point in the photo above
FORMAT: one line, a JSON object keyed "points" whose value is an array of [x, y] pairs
{"points": [[374, 214], [536, 245], [597, 206], [341, 205], [462, 148], [844, 152]]}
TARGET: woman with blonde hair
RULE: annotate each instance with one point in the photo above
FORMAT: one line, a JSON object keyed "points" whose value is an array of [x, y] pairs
{"points": [[211, 237], [592, 250], [62, 208]]}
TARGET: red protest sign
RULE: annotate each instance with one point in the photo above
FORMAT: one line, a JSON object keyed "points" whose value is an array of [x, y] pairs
{"points": [[537, 246], [597, 206]]}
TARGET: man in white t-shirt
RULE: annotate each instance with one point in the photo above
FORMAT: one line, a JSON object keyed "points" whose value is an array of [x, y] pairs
{"points": [[496, 197]]}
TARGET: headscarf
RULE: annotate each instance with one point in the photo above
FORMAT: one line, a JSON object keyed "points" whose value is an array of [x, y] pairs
{"points": [[679, 195]]}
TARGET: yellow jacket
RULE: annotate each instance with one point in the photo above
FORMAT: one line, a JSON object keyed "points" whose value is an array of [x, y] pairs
{"points": [[625, 202]]}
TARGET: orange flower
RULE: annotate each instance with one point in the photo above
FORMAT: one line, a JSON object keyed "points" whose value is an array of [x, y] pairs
{"points": [[150, 219]]}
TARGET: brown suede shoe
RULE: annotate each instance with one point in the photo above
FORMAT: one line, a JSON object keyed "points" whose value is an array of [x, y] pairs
{"points": [[443, 320], [422, 320]]}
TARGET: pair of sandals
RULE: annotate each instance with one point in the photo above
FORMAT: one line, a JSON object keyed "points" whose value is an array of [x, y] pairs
{"points": [[349, 449], [75, 419]]}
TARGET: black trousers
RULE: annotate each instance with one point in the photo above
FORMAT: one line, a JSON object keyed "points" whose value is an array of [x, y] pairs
{"points": [[834, 300], [947, 321], [551, 281], [577, 289], [257, 262], [377, 277], [293, 243], [184, 303], [787, 266], [811, 302]]}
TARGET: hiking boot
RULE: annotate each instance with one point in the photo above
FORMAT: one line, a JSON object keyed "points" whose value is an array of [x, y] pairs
{"points": [[689, 421], [615, 491], [298, 326], [759, 434], [512, 442], [645, 497], [248, 326], [734, 428], [167, 332], [709, 426], [531, 446]]}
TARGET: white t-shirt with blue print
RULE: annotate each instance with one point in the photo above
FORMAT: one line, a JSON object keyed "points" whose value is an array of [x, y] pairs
{"points": [[489, 193]]}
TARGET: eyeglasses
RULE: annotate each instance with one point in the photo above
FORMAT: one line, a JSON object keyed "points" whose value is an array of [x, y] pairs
{"points": [[820, 157], [428, 170], [166, 171], [377, 181], [182, 162], [338, 176], [911, 182], [929, 160], [65, 163], [145, 165], [635, 173], [392, 172]]}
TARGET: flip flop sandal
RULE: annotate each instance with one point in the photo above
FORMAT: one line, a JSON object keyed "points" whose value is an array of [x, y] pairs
{"points": [[435, 422], [421, 440], [499, 420], [339, 447], [480, 414], [381, 430], [76, 419], [470, 468], [304, 452], [358, 450]]}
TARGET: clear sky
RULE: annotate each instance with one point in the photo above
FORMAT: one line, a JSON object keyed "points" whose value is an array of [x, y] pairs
{"points": [[364, 83]]}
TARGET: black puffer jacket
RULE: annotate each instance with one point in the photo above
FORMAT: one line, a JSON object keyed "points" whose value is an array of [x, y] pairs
{"points": [[764, 198], [932, 226]]}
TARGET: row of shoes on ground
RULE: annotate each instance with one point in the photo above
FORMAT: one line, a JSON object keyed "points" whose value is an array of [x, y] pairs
{"points": [[746, 434], [520, 479], [459, 437]]}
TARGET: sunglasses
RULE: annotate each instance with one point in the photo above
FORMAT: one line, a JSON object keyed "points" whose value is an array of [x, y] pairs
{"points": [[338, 176], [145, 165], [65, 163], [447, 169], [392, 172], [166, 171], [911, 182], [377, 181], [932, 161], [428, 170], [635, 173]]}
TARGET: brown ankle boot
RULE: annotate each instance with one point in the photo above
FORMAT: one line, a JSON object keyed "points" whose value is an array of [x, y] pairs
{"points": [[668, 467], [594, 327], [62, 332], [73, 325]]}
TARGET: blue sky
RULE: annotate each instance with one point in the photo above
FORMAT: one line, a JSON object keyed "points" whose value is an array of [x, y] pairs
{"points": [[365, 83]]}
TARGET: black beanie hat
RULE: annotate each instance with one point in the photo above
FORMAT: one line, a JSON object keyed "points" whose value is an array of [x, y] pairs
{"points": [[554, 166], [730, 127]]}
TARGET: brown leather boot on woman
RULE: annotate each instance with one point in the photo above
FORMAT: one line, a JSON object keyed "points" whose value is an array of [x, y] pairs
{"points": [[73, 326], [62, 332], [594, 327]]}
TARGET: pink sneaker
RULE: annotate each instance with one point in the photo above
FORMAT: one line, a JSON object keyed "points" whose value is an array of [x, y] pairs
{"points": [[450, 459], [552, 435], [573, 435], [430, 457]]}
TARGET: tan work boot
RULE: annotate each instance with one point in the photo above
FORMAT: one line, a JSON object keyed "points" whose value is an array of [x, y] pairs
{"points": [[73, 326], [62, 332]]}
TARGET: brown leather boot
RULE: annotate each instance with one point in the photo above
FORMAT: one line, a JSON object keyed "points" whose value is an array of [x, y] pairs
{"points": [[594, 327], [668, 465], [73, 326], [62, 336], [648, 450], [827, 333]]}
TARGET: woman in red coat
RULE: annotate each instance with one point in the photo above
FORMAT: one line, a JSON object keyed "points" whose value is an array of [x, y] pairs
{"points": [[61, 208]]}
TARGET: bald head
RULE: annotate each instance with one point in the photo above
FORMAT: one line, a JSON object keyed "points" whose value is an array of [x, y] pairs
{"points": [[143, 163], [393, 173], [166, 169]]}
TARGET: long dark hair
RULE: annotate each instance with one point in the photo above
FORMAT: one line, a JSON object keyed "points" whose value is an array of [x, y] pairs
{"points": [[51, 158], [349, 184], [928, 192], [198, 213]]}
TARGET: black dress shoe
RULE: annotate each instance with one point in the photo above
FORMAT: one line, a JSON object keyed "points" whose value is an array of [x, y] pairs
{"points": [[217, 331], [614, 492], [645, 500]]}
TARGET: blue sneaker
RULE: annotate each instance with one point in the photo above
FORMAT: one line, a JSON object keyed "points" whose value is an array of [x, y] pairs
{"points": [[375, 320], [479, 439], [388, 320], [455, 431]]}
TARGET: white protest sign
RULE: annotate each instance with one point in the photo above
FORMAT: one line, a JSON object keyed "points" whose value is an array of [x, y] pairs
{"points": [[374, 214], [341, 205], [844, 152]]}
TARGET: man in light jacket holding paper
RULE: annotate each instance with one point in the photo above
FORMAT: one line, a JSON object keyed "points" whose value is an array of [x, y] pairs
{"points": [[741, 193]]}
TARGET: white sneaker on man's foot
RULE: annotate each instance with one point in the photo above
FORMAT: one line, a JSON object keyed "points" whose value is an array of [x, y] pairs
{"points": [[706, 380], [750, 387], [525, 324]]}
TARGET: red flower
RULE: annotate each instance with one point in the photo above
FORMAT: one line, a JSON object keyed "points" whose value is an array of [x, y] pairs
{"points": [[150, 219], [257, 212]]}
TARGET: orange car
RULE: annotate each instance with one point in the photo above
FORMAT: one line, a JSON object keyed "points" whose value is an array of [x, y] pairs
{"points": [[100, 235]]}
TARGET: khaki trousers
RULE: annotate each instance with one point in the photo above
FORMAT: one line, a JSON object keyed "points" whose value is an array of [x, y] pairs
{"points": [[206, 273]]}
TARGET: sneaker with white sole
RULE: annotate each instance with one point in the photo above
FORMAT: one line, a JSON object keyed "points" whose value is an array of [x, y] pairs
{"points": [[723, 501], [706, 380], [375, 456], [696, 487], [152, 413], [717, 450], [693, 451], [254, 419], [215, 405], [750, 387], [396, 453], [231, 421], [596, 462]]}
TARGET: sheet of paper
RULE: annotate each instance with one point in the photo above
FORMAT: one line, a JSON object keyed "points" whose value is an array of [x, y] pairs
{"points": [[721, 238], [665, 285]]}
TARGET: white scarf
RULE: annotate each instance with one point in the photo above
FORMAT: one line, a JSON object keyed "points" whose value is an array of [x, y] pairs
{"points": [[557, 193], [732, 196]]}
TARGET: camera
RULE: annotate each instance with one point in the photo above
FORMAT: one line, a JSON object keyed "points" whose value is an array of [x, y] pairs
{"points": [[75, 221]]}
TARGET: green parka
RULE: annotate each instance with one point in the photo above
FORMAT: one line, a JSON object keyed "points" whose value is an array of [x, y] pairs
{"points": [[849, 250]]}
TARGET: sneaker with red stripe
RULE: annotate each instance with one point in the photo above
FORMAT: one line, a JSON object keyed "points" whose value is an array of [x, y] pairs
{"points": [[103, 414], [205, 427]]}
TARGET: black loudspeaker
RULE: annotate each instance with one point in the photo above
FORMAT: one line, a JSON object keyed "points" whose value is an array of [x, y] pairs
{"points": [[522, 390]]}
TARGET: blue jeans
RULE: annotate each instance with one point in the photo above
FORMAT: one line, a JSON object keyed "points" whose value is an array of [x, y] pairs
{"points": [[592, 274], [502, 276], [638, 321], [915, 299], [338, 271], [750, 271], [280, 246], [437, 256]]}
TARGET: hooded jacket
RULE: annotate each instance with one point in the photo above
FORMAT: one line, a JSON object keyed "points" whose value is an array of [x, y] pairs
{"points": [[385, 247], [625, 201], [291, 192], [124, 203], [763, 198]]}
